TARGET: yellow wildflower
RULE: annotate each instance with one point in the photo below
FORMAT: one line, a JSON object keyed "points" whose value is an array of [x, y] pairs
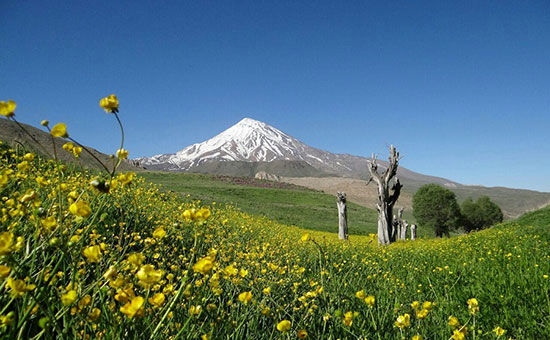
{"points": [[7, 109], [136, 259], [302, 334], [428, 305], [6, 243], [109, 103], [415, 305], [459, 334], [267, 290], [59, 130], [284, 326], [499, 331], [134, 307], [92, 253], [4, 271], [69, 298], [473, 306], [348, 319], [403, 321], [122, 154], [159, 233], [148, 276], [370, 300], [49, 223], [305, 237], [29, 157], [360, 295], [422, 313], [453, 322], [204, 265], [157, 300], [245, 297], [417, 337], [18, 287], [80, 208], [94, 314], [195, 310]]}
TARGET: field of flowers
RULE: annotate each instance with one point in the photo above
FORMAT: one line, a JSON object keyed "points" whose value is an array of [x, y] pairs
{"points": [[79, 259]]}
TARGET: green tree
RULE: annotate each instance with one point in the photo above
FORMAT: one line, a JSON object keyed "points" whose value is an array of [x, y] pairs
{"points": [[480, 214], [436, 207]]}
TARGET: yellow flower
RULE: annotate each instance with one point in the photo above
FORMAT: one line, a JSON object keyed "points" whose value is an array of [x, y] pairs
{"points": [[284, 326], [109, 104], [348, 319], [7, 109], [44, 122], [459, 334], [122, 154], [148, 276], [427, 305], [360, 295], [80, 208], [245, 297], [499, 331], [473, 306], [69, 298], [92, 253], [243, 272], [4, 271], [68, 146], [126, 178], [49, 223], [110, 274], [417, 337], [195, 310], [267, 290], [29, 157], [94, 314], [369, 300], [305, 237], [136, 259], [302, 334], [403, 321], [422, 313], [134, 307], [204, 265], [59, 130], [415, 305], [453, 322], [157, 300], [18, 287], [6, 243], [159, 233], [230, 271]]}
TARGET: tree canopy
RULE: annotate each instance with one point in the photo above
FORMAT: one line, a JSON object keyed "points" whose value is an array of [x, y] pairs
{"points": [[436, 207], [480, 214]]}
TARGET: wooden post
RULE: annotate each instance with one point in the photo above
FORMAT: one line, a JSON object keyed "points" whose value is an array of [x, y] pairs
{"points": [[413, 232], [404, 226], [342, 216]]}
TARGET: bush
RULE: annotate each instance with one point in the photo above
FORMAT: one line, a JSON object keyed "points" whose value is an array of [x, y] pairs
{"points": [[480, 214]]}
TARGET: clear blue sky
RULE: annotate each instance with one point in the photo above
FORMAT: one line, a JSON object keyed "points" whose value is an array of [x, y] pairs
{"points": [[461, 87]]}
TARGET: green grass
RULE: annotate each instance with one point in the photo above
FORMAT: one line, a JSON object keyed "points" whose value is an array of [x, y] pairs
{"points": [[297, 206]]}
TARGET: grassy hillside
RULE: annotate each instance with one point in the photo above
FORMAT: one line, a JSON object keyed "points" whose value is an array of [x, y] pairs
{"points": [[287, 204], [141, 263]]}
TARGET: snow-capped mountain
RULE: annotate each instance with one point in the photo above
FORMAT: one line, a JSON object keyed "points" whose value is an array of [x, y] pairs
{"points": [[253, 141]]}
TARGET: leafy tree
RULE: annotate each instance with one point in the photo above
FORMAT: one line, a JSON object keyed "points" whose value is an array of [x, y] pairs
{"points": [[436, 207], [480, 214]]}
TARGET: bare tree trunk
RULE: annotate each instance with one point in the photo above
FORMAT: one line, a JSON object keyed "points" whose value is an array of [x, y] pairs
{"points": [[413, 232], [342, 216], [387, 196], [404, 226]]}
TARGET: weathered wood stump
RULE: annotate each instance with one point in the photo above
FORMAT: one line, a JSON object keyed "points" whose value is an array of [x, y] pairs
{"points": [[342, 216], [413, 232]]}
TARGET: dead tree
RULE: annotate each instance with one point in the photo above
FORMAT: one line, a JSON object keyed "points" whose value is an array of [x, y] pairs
{"points": [[404, 226], [342, 216], [388, 193], [413, 232], [398, 224]]}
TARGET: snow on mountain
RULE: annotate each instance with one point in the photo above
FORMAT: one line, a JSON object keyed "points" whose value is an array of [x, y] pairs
{"points": [[248, 140], [254, 141]]}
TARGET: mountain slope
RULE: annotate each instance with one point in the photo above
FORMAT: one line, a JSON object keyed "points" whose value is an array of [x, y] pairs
{"points": [[13, 135], [252, 141]]}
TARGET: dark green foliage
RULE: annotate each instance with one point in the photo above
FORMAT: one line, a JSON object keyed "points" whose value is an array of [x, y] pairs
{"points": [[436, 207], [480, 214]]}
